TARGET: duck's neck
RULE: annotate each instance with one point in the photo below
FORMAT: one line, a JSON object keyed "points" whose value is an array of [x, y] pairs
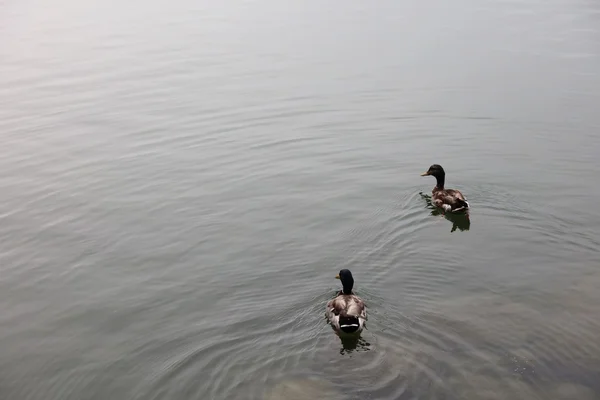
{"points": [[347, 289], [440, 181]]}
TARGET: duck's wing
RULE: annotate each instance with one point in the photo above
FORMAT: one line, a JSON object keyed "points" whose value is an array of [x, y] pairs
{"points": [[336, 306], [456, 195], [453, 200], [347, 305], [333, 311], [356, 307]]}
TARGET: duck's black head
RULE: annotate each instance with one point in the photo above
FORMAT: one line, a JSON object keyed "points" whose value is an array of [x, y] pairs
{"points": [[347, 280], [437, 171]]}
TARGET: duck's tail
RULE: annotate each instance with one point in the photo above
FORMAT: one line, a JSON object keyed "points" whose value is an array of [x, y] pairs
{"points": [[461, 205], [349, 323]]}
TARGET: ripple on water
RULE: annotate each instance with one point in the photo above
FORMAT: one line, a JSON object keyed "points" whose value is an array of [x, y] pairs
{"points": [[241, 357]]}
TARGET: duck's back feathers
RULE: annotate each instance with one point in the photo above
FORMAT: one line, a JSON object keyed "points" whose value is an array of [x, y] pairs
{"points": [[349, 304], [450, 200], [347, 313]]}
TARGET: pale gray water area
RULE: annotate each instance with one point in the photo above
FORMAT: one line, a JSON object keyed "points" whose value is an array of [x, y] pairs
{"points": [[181, 181]]}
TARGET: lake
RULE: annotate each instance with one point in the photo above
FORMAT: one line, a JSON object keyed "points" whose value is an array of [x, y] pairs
{"points": [[182, 180]]}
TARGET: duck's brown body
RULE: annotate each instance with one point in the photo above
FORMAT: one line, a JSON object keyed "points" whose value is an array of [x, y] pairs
{"points": [[450, 200]]}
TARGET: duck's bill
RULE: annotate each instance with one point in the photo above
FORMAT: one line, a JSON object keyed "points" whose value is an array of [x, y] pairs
{"points": [[425, 174], [337, 276]]}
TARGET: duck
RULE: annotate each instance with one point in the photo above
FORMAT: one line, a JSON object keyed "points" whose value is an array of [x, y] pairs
{"points": [[449, 200], [346, 312]]}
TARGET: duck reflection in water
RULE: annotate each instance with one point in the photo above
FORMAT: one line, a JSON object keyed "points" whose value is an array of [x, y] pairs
{"points": [[460, 221], [353, 344]]}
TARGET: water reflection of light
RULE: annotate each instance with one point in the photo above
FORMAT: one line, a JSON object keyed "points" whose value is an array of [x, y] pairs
{"points": [[303, 389]]}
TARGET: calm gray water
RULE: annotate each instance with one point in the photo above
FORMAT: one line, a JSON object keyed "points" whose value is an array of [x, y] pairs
{"points": [[181, 181]]}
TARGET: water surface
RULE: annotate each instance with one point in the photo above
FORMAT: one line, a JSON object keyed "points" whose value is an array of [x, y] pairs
{"points": [[181, 181]]}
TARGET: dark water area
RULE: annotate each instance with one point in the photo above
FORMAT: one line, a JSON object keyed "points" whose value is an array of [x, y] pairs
{"points": [[182, 180]]}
